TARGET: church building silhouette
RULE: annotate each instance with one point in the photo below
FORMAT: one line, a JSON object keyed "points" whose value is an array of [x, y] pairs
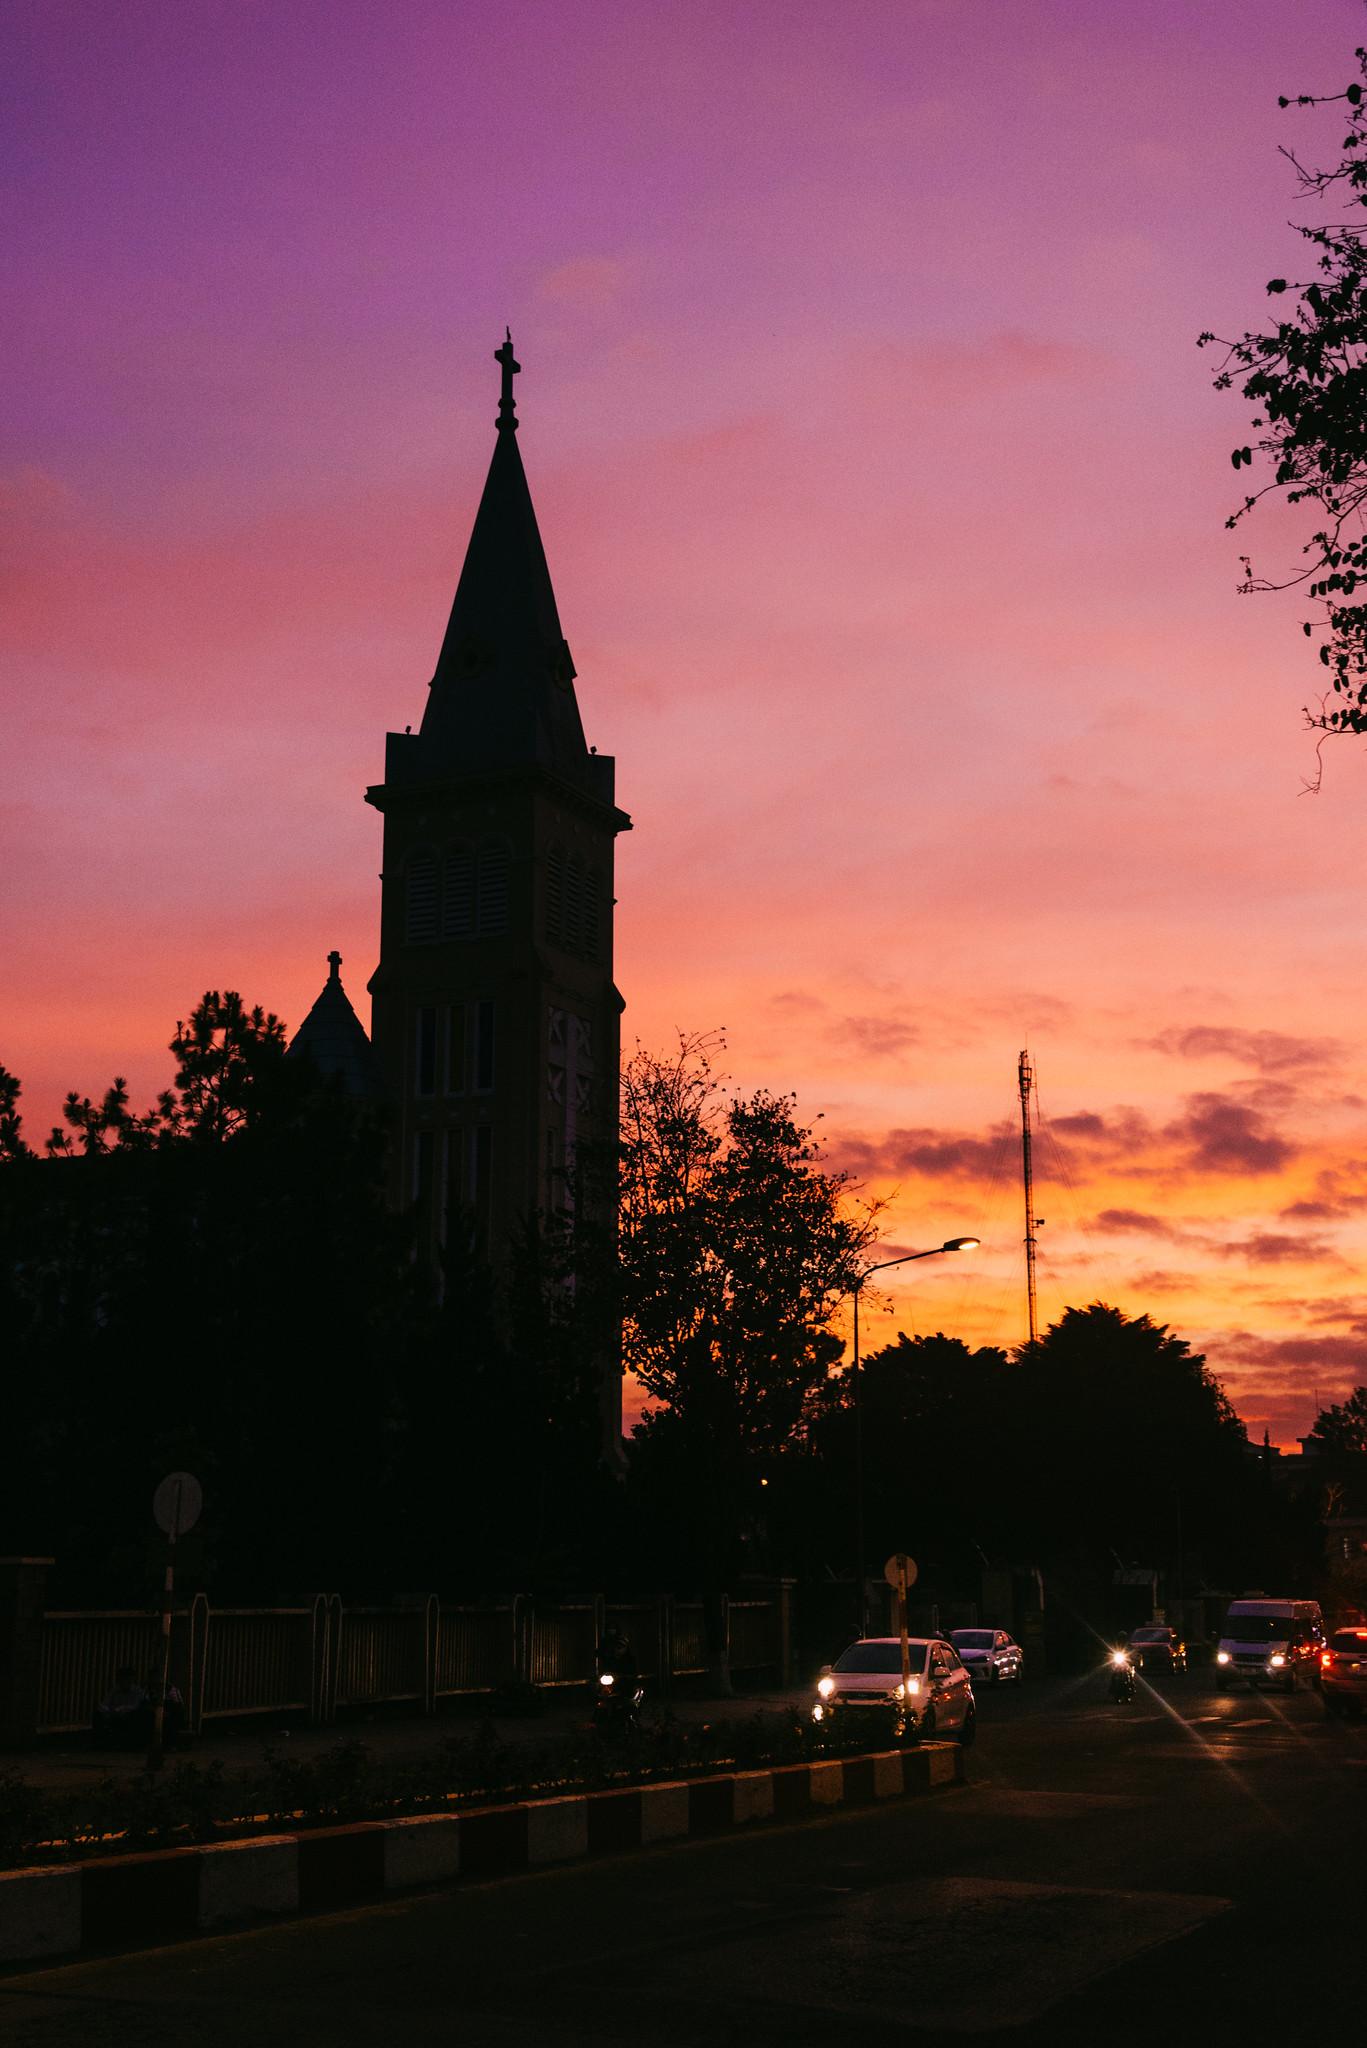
{"points": [[495, 1019]]}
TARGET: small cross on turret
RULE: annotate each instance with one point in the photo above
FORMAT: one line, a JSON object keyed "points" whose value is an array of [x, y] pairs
{"points": [[507, 417]]}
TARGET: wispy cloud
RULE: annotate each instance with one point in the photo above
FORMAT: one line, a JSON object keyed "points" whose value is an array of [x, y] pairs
{"points": [[1270, 1248], [1267, 1052], [1221, 1135]]}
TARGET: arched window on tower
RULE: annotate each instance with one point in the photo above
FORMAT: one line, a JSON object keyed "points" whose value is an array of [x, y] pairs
{"points": [[555, 896], [420, 900], [458, 894], [492, 890]]}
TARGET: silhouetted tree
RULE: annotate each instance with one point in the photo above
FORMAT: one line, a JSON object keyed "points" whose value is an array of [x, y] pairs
{"points": [[735, 1250], [1307, 377], [1128, 1446], [12, 1142], [937, 1434], [1340, 1430]]}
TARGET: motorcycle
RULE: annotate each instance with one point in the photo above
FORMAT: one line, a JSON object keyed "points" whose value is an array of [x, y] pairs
{"points": [[617, 1702], [1122, 1680]]}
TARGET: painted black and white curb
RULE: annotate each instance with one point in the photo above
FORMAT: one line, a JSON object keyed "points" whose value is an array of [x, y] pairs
{"points": [[142, 1900]]}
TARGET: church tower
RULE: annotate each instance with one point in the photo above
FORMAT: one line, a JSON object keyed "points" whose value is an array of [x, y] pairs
{"points": [[495, 1018]]}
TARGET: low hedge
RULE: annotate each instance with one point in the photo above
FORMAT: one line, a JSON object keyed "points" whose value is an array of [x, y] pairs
{"points": [[190, 1802]]}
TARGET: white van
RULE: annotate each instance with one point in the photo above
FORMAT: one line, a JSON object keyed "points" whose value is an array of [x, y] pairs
{"points": [[1270, 1642]]}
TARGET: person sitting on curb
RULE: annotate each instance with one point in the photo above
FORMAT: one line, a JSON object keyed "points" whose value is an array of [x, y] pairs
{"points": [[123, 1718]]}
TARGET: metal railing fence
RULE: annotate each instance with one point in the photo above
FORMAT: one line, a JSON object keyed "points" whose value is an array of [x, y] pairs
{"points": [[81, 1652], [259, 1660], [312, 1659]]}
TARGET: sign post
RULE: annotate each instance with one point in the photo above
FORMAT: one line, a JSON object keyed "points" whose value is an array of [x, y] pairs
{"points": [[176, 1507], [900, 1573]]}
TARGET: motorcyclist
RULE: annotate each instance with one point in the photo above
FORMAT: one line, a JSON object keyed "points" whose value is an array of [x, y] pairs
{"points": [[615, 1654], [1121, 1668]]}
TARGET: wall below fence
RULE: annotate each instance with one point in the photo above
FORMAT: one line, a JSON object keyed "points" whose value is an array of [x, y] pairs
{"points": [[318, 1659]]}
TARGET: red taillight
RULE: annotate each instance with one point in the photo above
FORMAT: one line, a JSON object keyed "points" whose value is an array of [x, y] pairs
{"points": [[1326, 1658]]}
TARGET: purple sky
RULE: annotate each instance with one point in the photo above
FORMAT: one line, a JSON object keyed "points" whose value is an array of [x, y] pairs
{"points": [[882, 486]]}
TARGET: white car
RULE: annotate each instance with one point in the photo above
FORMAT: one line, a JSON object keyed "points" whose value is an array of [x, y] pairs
{"points": [[990, 1654], [865, 1684]]}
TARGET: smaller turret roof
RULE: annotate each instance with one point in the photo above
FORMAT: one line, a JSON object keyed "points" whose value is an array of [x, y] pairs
{"points": [[335, 1039]]}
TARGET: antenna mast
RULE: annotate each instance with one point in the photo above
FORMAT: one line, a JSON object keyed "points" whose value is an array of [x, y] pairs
{"points": [[1026, 1075]]}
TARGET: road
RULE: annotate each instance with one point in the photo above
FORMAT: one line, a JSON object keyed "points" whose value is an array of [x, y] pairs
{"points": [[1188, 1867]]}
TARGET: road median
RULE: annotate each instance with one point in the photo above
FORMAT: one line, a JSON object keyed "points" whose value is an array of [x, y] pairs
{"points": [[142, 1900]]}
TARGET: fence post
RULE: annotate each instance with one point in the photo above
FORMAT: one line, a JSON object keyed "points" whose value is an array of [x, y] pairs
{"points": [[336, 1628], [522, 1639], [664, 1630], [198, 1655], [320, 1652], [23, 1602], [717, 1626], [783, 1600], [431, 1623]]}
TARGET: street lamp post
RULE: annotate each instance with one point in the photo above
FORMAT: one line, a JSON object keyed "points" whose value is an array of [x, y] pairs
{"points": [[951, 1244]]}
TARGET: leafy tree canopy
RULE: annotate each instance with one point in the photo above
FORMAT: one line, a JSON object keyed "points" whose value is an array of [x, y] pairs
{"points": [[1307, 378], [736, 1249], [1341, 1430], [231, 1073]]}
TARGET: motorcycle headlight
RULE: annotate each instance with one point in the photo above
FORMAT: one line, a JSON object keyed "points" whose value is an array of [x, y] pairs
{"points": [[818, 1712], [606, 1678], [825, 1686], [1119, 1659], [1276, 1660], [1222, 1656]]}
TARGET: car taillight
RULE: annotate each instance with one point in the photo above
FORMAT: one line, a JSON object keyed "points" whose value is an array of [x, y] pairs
{"points": [[1326, 1658]]}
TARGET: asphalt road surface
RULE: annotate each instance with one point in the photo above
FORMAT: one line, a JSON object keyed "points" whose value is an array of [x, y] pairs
{"points": [[1189, 1867]]}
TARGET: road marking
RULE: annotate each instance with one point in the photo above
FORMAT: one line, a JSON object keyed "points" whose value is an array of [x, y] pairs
{"points": [[1258, 1721]]}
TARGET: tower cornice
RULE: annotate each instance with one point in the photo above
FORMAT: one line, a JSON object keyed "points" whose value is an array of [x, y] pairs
{"points": [[402, 794]]}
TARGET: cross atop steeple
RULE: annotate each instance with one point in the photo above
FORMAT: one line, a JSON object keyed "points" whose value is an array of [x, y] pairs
{"points": [[507, 417]]}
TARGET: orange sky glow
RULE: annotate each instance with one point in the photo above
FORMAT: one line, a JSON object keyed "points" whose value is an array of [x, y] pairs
{"points": [[882, 486]]}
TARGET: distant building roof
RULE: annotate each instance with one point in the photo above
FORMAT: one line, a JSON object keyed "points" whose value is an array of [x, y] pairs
{"points": [[335, 1039]]}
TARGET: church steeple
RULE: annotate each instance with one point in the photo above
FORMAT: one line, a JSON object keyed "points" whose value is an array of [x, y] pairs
{"points": [[502, 696], [496, 1019]]}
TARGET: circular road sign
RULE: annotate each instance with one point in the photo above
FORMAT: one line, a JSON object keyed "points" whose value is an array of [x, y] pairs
{"points": [[177, 1502], [900, 1571]]}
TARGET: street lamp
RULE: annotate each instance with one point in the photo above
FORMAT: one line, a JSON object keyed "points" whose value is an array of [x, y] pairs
{"points": [[951, 1244]]}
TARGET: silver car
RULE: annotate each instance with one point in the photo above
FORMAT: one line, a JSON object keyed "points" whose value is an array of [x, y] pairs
{"points": [[864, 1685], [991, 1655]]}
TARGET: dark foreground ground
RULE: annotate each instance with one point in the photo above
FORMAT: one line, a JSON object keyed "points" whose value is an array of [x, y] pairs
{"points": [[1188, 1868]]}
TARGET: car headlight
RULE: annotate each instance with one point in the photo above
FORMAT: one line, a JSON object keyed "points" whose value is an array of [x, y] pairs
{"points": [[1276, 1660], [606, 1678], [825, 1686], [915, 1686], [1222, 1656]]}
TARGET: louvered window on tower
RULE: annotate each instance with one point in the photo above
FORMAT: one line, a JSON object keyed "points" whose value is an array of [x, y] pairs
{"points": [[420, 922], [574, 906], [589, 917], [493, 890], [458, 894], [555, 897]]}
